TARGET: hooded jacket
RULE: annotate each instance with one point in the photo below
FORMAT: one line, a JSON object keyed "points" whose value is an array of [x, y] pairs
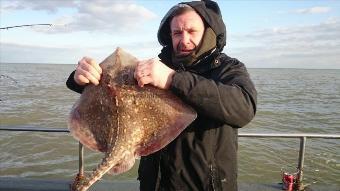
{"points": [[218, 87]]}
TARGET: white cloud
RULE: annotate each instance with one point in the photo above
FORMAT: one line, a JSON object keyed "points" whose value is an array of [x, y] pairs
{"points": [[95, 15], [50, 6], [109, 16], [312, 46], [23, 53], [313, 10]]}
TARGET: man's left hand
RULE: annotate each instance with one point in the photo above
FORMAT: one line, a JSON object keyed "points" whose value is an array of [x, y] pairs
{"points": [[153, 72]]}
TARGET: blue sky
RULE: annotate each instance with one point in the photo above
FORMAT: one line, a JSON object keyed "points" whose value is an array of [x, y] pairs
{"points": [[262, 34]]}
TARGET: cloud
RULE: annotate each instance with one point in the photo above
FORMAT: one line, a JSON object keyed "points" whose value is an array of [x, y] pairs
{"points": [[310, 46], [50, 6], [22, 53], [143, 49], [325, 31], [100, 15], [109, 16], [313, 10]]}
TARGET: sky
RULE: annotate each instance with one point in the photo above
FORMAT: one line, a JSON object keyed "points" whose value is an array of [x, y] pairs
{"points": [[261, 34]]}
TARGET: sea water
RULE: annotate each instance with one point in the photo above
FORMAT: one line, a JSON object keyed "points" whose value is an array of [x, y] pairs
{"points": [[289, 101]]}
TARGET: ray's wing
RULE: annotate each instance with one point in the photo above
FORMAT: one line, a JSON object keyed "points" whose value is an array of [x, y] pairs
{"points": [[92, 120], [172, 117], [152, 117]]}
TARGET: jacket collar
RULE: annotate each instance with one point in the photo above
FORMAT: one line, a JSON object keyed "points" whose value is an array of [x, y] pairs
{"points": [[206, 62]]}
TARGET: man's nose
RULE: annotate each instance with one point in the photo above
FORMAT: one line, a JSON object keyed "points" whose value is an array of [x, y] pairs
{"points": [[185, 38]]}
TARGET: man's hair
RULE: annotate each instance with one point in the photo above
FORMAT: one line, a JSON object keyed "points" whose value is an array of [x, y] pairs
{"points": [[164, 31], [181, 9]]}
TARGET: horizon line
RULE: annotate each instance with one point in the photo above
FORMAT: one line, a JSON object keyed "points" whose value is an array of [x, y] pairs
{"points": [[302, 68]]}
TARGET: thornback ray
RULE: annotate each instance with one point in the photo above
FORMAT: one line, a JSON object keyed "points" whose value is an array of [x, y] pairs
{"points": [[123, 120]]}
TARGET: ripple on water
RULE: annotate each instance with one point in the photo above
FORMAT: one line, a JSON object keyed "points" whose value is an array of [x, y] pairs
{"points": [[289, 101]]}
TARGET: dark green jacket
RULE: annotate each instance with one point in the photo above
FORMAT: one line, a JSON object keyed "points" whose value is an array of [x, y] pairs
{"points": [[204, 155]]}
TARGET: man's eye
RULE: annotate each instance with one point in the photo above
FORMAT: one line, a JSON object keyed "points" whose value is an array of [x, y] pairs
{"points": [[193, 32], [176, 33]]}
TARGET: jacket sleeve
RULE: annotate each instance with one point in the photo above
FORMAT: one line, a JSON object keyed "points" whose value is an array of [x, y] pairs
{"points": [[72, 85], [230, 97]]}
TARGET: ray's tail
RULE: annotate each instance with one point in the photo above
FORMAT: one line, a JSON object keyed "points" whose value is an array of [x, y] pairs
{"points": [[84, 183], [115, 162]]}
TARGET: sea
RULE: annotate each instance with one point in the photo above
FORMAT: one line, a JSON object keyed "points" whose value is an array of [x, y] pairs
{"points": [[289, 101]]}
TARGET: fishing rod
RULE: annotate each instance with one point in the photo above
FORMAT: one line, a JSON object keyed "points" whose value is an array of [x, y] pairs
{"points": [[30, 25]]}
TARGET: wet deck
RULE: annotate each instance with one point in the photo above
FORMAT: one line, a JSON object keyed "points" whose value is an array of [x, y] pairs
{"points": [[25, 184]]}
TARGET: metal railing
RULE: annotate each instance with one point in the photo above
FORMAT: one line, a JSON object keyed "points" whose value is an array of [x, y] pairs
{"points": [[302, 136], [303, 139]]}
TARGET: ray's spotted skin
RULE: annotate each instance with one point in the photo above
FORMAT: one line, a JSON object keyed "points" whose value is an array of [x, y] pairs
{"points": [[124, 120]]}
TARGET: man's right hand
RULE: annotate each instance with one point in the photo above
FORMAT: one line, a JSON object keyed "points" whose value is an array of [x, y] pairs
{"points": [[88, 71]]}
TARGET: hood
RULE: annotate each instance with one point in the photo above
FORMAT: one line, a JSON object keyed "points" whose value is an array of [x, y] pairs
{"points": [[209, 12]]}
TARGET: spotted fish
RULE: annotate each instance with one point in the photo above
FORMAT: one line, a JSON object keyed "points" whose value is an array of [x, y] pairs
{"points": [[123, 120]]}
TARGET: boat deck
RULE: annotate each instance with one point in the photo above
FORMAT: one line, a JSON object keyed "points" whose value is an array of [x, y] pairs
{"points": [[26, 184]]}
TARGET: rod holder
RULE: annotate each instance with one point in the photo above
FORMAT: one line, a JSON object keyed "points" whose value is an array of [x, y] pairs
{"points": [[81, 159], [301, 161]]}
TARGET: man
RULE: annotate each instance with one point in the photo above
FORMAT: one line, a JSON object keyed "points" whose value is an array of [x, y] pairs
{"points": [[192, 66]]}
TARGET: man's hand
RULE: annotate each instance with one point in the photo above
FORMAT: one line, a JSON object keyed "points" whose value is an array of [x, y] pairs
{"points": [[88, 71], [153, 72]]}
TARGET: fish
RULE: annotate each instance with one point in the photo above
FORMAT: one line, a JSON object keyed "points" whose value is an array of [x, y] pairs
{"points": [[123, 120]]}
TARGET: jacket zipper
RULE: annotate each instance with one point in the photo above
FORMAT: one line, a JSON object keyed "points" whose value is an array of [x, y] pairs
{"points": [[212, 177]]}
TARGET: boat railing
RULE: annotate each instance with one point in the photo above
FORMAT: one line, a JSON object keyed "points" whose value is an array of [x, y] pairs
{"points": [[302, 136]]}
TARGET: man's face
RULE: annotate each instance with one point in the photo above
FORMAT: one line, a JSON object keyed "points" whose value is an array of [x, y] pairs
{"points": [[186, 32]]}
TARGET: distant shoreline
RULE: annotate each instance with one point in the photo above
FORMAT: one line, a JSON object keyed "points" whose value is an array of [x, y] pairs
{"points": [[246, 65]]}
